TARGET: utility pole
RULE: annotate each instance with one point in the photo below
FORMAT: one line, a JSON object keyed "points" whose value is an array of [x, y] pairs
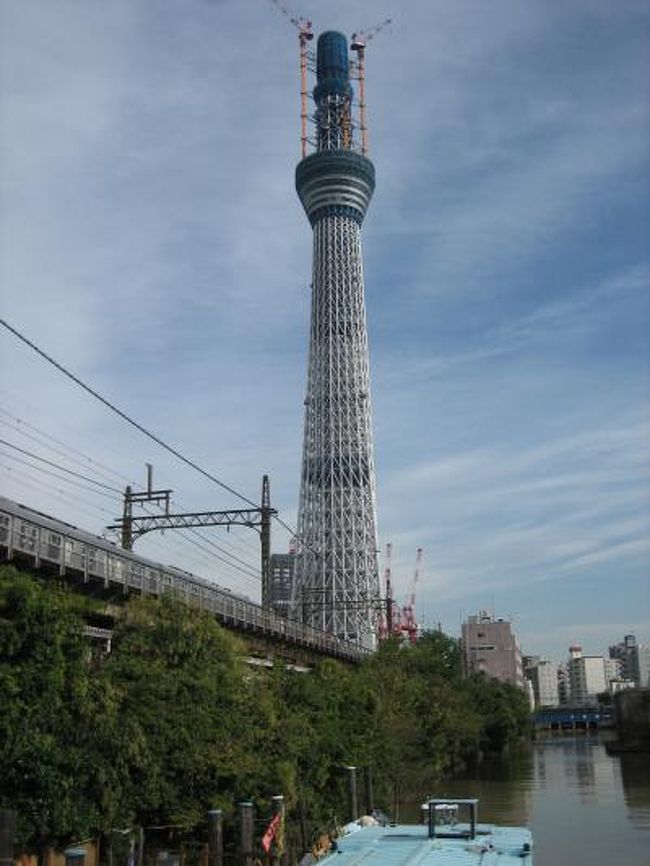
{"points": [[127, 514], [158, 497], [389, 609], [265, 541], [259, 519]]}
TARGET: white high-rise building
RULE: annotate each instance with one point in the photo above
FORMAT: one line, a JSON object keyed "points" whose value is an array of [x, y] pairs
{"points": [[543, 676], [586, 677]]}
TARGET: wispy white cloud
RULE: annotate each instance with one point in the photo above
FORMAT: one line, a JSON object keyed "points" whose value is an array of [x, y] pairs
{"points": [[570, 315], [505, 518], [594, 637]]}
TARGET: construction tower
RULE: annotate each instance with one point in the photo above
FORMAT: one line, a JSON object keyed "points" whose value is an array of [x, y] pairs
{"points": [[337, 582]]}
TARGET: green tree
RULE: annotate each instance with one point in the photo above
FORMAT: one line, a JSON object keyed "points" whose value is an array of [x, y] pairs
{"points": [[503, 708], [44, 694], [172, 722], [176, 738]]}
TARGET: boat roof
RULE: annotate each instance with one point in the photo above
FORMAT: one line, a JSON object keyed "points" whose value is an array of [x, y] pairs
{"points": [[409, 844]]}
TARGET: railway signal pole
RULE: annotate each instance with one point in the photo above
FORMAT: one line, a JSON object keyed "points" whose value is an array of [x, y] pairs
{"points": [[259, 519]]}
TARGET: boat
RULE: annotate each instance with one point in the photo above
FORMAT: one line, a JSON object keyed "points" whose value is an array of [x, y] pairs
{"points": [[450, 833]]}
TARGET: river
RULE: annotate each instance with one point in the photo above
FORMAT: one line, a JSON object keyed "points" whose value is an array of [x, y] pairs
{"points": [[583, 806]]}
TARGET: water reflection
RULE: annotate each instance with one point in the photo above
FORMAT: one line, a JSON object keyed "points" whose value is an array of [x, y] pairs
{"points": [[635, 773], [583, 805]]}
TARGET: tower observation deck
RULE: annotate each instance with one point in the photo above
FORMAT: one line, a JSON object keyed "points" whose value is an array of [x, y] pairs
{"points": [[337, 583]]}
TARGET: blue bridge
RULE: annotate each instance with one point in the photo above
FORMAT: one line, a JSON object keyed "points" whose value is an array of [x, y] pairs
{"points": [[573, 718]]}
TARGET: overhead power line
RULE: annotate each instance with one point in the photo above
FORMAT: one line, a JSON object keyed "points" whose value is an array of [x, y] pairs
{"points": [[248, 571], [86, 459], [103, 471], [60, 467], [44, 470], [125, 417], [169, 448], [40, 484]]}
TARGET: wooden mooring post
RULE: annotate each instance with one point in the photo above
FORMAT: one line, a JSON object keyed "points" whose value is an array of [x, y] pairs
{"points": [[245, 852], [277, 851], [75, 856], [370, 794], [353, 806], [215, 837]]}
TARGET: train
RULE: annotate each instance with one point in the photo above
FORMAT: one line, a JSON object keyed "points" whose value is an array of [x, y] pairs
{"points": [[47, 543]]}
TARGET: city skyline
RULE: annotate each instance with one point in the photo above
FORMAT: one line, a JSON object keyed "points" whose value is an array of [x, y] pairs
{"points": [[152, 242]]}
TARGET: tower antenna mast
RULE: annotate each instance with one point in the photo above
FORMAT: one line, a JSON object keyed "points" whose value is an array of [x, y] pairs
{"points": [[305, 35], [337, 584], [358, 45]]}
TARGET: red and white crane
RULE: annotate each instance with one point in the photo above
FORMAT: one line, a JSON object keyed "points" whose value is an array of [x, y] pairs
{"points": [[358, 44], [396, 620], [408, 624], [305, 35]]}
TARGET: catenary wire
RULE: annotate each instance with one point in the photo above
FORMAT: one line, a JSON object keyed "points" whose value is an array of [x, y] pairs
{"points": [[125, 417], [70, 499], [39, 440], [43, 469], [249, 569], [58, 466], [251, 575], [249, 566], [66, 445], [107, 469], [41, 484], [171, 449]]}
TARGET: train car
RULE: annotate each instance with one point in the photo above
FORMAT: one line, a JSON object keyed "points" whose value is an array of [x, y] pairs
{"points": [[47, 543]]}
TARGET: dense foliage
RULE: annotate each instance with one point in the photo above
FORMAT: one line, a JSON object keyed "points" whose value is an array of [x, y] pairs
{"points": [[173, 722]]}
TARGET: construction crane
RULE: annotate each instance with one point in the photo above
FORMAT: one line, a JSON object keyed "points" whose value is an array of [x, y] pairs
{"points": [[399, 620], [305, 35], [408, 625], [386, 620], [358, 45]]}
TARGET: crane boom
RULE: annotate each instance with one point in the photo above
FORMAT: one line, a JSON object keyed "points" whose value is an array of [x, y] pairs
{"points": [[358, 45], [416, 576], [297, 21], [305, 35], [363, 36]]}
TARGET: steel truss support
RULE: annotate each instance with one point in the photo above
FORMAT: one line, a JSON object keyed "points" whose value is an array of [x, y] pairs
{"points": [[258, 519], [337, 516]]}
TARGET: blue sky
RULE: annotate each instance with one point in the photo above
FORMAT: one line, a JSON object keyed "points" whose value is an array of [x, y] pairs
{"points": [[151, 239]]}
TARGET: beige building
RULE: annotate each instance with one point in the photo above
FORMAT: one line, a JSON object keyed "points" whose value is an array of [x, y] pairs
{"points": [[491, 647]]}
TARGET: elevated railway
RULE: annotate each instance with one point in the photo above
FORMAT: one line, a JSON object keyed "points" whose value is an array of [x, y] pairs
{"points": [[49, 545]]}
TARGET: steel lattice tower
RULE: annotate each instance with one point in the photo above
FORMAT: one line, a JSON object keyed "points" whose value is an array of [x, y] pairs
{"points": [[337, 582]]}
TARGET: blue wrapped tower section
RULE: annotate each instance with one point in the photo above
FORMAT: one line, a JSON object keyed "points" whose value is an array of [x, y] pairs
{"points": [[336, 586], [332, 66], [336, 179]]}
